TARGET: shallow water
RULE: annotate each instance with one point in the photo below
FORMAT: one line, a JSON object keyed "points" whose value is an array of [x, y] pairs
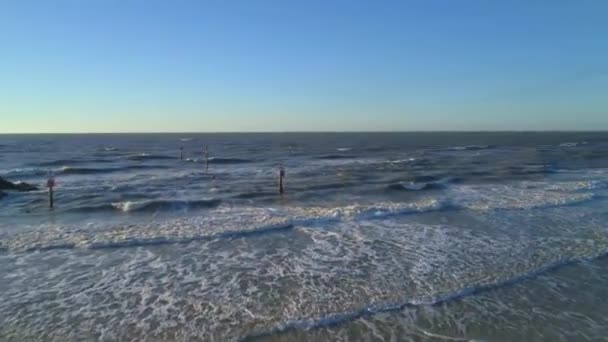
{"points": [[400, 236]]}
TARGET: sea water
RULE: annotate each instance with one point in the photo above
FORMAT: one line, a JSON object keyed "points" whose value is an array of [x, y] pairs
{"points": [[378, 236]]}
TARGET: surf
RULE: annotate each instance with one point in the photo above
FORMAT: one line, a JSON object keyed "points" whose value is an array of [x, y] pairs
{"points": [[372, 309]]}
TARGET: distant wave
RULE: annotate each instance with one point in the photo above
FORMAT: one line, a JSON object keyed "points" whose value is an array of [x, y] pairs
{"points": [[572, 144], [146, 156], [395, 209], [479, 174], [62, 162], [325, 186], [344, 149], [415, 186], [595, 155], [298, 216], [530, 170], [468, 148], [422, 182], [69, 170], [93, 170], [384, 307], [254, 194], [218, 160], [151, 205], [425, 178], [399, 161], [25, 172], [164, 205], [334, 156]]}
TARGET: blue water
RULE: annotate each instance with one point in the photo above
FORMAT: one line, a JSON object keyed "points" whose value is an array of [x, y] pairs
{"points": [[378, 236]]}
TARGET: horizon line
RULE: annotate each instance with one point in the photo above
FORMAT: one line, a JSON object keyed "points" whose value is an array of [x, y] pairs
{"points": [[315, 132]]}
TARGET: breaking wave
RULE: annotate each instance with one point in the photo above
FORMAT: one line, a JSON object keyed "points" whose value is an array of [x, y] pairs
{"points": [[62, 162], [334, 157], [93, 170], [372, 309], [146, 156], [218, 160], [222, 223], [151, 206]]}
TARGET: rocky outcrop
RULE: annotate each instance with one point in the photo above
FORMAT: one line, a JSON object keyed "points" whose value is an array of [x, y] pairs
{"points": [[19, 186], [22, 186], [5, 185]]}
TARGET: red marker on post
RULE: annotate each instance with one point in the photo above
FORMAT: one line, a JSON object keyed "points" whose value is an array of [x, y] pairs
{"points": [[50, 183]]}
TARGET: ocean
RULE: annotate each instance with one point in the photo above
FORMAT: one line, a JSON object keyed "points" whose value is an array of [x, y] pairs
{"points": [[378, 237]]}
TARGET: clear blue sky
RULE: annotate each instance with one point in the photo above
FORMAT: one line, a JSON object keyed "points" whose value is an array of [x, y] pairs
{"points": [[308, 65]]}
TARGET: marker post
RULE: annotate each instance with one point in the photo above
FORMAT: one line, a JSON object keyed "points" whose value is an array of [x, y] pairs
{"points": [[50, 183], [281, 176]]}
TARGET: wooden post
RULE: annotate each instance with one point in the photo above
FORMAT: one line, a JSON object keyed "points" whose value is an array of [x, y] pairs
{"points": [[50, 183], [281, 176]]}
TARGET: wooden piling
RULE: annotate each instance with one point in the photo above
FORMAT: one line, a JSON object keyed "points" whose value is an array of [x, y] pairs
{"points": [[281, 176], [50, 183]]}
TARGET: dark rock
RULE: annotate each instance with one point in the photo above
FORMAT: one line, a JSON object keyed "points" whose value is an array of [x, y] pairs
{"points": [[19, 186], [6, 185], [22, 186]]}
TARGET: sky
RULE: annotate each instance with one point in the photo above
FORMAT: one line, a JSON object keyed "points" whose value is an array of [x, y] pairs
{"points": [[308, 65]]}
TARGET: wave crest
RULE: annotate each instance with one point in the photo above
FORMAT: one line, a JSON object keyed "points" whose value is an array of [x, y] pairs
{"points": [[67, 170], [218, 160], [146, 156]]}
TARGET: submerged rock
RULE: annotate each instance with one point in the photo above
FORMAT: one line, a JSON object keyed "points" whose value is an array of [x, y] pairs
{"points": [[19, 186], [22, 186], [4, 184]]}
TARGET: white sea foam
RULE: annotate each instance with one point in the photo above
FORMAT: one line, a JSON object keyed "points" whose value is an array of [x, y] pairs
{"points": [[230, 289], [24, 172], [513, 196], [222, 222], [228, 220], [128, 205], [399, 161], [414, 185]]}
